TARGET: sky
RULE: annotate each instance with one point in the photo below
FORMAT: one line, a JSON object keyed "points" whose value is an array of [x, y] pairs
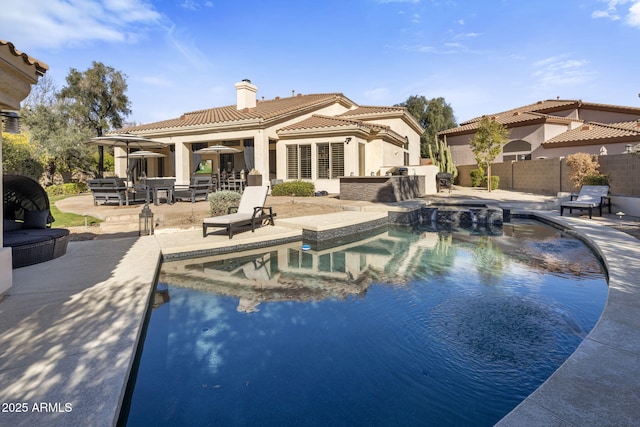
{"points": [[482, 57]]}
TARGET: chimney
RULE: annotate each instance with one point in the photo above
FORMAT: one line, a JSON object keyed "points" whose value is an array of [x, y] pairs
{"points": [[245, 94]]}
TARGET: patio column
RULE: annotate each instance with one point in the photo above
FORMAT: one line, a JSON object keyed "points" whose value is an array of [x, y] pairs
{"points": [[261, 155], [6, 280], [183, 163]]}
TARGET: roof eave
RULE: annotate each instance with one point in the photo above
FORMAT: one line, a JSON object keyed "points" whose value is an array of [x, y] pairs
{"points": [[598, 141]]}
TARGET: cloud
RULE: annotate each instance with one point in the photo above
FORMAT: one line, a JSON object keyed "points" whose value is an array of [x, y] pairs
{"points": [[156, 81], [630, 16], [376, 95], [195, 5], [558, 72], [62, 23]]}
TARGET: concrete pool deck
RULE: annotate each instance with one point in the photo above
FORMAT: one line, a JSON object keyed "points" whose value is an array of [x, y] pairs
{"points": [[69, 327]]}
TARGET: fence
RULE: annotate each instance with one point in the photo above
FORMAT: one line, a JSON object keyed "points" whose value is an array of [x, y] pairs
{"points": [[551, 176]]}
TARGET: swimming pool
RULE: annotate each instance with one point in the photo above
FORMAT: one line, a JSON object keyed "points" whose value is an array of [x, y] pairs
{"points": [[400, 328]]}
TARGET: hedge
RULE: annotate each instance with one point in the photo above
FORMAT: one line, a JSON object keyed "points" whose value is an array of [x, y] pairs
{"points": [[293, 188]]}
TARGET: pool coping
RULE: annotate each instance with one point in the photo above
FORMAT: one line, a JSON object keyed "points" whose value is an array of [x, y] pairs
{"points": [[85, 348]]}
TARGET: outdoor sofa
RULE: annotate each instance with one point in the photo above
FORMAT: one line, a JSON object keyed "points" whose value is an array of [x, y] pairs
{"points": [[113, 190], [27, 223], [199, 187], [590, 197], [251, 211]]}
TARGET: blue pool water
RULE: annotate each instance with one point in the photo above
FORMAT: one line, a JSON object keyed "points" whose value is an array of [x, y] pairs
{"points": [[402, 328]]}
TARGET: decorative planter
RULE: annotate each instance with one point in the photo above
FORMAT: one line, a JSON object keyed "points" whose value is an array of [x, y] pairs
{"points": [[254, 180]]}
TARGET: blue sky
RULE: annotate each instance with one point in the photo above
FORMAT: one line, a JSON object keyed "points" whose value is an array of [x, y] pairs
{"points": [[481, 56]]}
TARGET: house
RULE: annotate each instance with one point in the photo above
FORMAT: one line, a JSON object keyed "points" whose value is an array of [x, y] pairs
{"points": [[314, 137], [554, 128]]}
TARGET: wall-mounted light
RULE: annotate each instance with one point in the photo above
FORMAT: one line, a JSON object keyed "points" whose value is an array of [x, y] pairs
{"points": [[10, 121], [347, 140]]}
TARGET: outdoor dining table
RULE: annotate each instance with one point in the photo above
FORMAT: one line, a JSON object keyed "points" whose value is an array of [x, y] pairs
{"points": [[155, 185]]}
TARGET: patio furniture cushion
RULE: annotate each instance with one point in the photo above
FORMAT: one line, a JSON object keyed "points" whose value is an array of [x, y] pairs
{"points": [[10, 225], [36, 219], [250, 211], [590, 196]]}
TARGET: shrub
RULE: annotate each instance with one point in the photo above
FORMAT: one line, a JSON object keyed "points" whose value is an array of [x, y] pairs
{"points": [[495, 181], [293, 188], [582, 165], [596, 179], [68, 189], [477, 177], [221, 201]]}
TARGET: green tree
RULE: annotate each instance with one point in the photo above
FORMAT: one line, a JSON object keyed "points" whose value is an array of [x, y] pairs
{"points": [[487, 144], [96, 99], [59, 139], [20, 157], [434, 115]]}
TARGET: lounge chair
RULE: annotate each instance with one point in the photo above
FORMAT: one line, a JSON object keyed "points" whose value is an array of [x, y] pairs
{"points": [[200, 186], [590, 196], [251, 211]]}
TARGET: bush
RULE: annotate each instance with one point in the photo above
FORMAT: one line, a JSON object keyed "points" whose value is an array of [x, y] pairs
{"points": [[221, 201], [596, 179], [293, 188], [582, 165], [68, 189], [495, 181], [477, 177]]}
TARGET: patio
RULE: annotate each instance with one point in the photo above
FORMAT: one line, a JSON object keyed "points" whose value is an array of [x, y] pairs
{"points": [[71, 338]]}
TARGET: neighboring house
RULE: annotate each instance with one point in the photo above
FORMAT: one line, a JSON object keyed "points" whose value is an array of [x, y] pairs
{"points": [[554, 128], [316, 137]]}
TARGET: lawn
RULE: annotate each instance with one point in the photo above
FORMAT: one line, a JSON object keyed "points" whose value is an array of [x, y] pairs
{"points": [[66, 219]]}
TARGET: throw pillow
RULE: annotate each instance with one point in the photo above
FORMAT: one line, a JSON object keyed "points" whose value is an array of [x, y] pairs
{"points": [[36, 219]]}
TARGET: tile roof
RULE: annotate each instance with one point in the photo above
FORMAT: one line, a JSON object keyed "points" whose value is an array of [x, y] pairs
{"points": [[318, 121], [41, 67], [510, 119], [550, 106], [592, 133], [332, 124], [545, 107], [265, 111], [367, 110]]}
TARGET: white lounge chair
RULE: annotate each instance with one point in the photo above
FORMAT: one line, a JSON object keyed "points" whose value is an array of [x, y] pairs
{"points": [[250, 211], [590, 196]]}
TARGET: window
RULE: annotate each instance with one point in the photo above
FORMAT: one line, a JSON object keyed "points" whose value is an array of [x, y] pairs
{"points": [[330, 160], [299, 162], [337, 160], [292, 162], [323, 161], [305, 161]]}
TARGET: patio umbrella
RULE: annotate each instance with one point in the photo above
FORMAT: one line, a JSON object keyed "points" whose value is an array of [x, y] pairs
{"points": [[217, 149], [142, 154], [126, 140]]}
